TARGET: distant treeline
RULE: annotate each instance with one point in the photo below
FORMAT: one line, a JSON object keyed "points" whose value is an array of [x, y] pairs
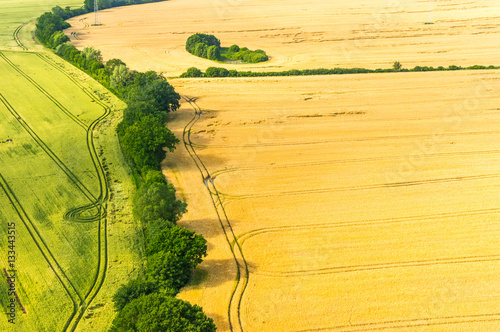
{"points": [[223, 72], [172, 251]]}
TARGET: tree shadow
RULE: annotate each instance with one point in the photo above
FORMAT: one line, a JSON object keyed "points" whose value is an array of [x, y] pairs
{"points": [[213, 273]]}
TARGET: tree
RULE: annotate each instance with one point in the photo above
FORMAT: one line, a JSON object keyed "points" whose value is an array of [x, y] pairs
{"points": [[47, 24], [167, 270], [57, 39], [92, 54], [133, 290], [121, 77], [396, 66], [200, 50], [186, 245], [159, 313], [158, 202], [57, 10], [157, 92], [216, 72], [213, 52], [145, 140], [89, 5], [112, 64], [192, 72], [234, 48], [134, 112]]}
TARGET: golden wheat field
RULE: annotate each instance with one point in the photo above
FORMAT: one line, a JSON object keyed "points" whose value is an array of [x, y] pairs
{"points": [[360, 202], [299, 34], [333, 203]]}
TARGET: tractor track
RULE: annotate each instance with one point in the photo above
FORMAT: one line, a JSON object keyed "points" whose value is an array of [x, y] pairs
{"points": [[103, 190], [366, 187], [100, 202], [242, 273], [68, 286], [411, 323], [354, 160], [15, 34], [380, 266], [429, 136]]}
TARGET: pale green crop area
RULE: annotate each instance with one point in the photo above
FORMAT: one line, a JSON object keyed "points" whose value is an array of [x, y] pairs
{"points": [[63, 183], [13, 13]]}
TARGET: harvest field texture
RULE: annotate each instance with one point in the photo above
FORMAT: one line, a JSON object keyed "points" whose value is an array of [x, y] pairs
{"points": [[358, 203], [298, 34], [333, 203]]}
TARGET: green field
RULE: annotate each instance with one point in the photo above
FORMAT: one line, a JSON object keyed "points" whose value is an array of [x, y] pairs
{"points": [[63, 183], [15, 14]]}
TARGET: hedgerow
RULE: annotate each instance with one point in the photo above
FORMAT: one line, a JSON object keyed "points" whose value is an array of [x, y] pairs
{"points": [[222, 72]]}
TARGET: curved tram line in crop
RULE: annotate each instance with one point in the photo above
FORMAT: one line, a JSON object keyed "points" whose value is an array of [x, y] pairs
{"points": [[15, 34], [242, 274], [80, 214]]}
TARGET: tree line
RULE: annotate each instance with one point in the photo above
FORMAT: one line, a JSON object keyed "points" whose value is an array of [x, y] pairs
{"points": [[172, 251], [223, 72]]}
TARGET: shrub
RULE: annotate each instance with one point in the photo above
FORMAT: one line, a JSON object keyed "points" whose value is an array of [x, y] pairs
{"points": [[396, 66], [192, 72], [207, 40], [234, 48], [213, 52], [57, 39], [216, 72], [157, 312], [133, 290], [157, 202], [200, 50]]}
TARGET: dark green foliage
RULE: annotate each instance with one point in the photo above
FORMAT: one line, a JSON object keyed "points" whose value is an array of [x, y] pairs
{"points": [[221, 72], [133, 290], [246, 55], [153, 89], [153, 177], [145, 140], [204, 46], [216, 72], [200, 38], [62, 13], [167, 270], [234, 48], [47, 25], [192, 72], [157, 201], [200, 50], [112, 64], [213, 53], [160, 313], [184, 244]]}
